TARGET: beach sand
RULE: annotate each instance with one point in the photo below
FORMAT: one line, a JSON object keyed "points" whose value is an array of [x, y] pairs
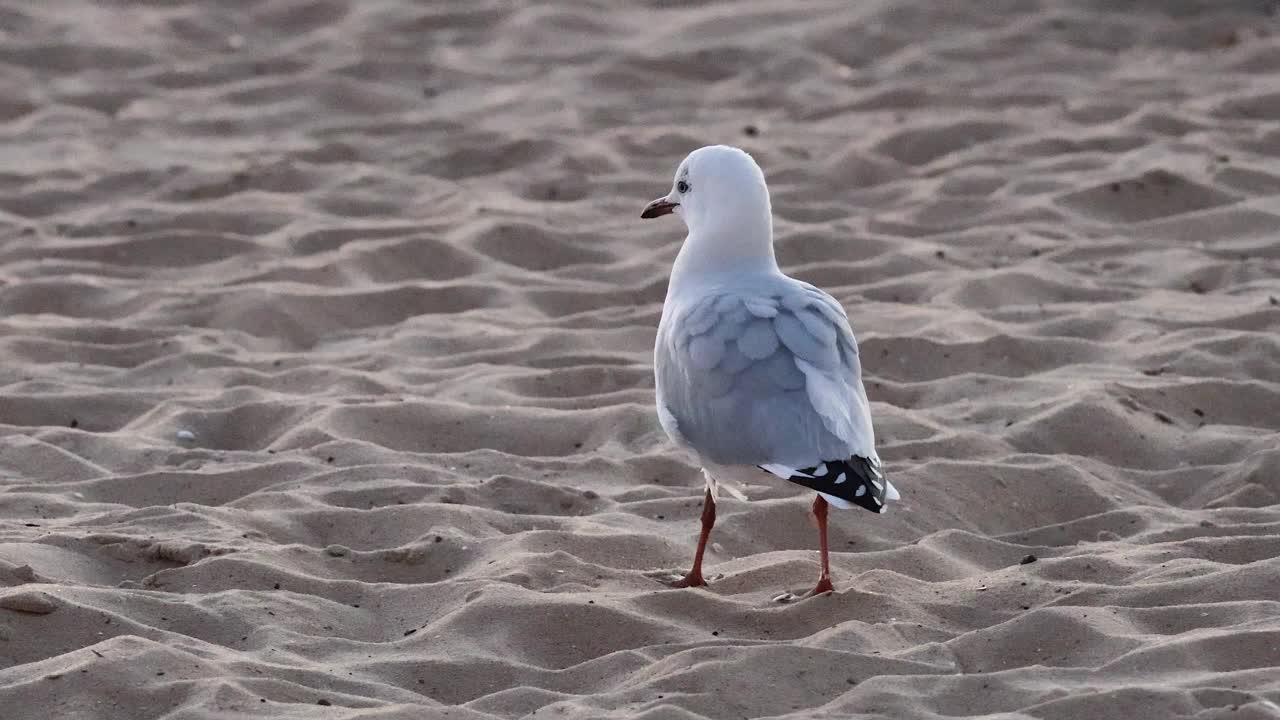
{"points": [[327, 336]]}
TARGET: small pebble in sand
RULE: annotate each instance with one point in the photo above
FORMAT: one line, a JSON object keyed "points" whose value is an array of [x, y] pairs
{"points": [[1027, 560], [22, 573], [185, 435]]}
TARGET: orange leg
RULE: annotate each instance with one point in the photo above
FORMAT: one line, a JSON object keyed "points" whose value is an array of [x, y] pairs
{"points": [[824, 581], [694, 578]]}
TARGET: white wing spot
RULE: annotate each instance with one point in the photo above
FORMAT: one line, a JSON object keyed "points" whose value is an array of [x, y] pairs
{"points": [[862, 490], [879, 485], [841, 479], [821, 469]]}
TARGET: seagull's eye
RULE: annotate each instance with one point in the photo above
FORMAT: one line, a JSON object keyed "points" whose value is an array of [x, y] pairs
{"points": [[682, 187]]}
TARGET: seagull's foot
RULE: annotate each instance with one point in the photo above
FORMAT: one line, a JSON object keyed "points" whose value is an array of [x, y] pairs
{"points": [[676, 580], [823, 587], [693, 579]]}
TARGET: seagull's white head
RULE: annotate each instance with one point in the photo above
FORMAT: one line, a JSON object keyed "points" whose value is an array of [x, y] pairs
{"points": [[720, 193]]}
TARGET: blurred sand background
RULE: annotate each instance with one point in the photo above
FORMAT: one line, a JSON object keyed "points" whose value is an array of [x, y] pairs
{"points": [[326, 334]]}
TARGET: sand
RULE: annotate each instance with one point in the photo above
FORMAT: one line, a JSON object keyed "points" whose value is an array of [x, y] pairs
{"points": [[326, 335]]}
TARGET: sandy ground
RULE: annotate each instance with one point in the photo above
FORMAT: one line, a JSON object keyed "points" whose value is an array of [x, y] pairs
{"points": [[325, 345]]}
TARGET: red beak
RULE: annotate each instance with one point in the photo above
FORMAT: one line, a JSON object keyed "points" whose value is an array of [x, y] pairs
{"points": [[658, 208]]}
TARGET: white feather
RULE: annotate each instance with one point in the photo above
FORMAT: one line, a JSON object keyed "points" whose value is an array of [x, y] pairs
{"points": [[838, 502], [782, 471]]}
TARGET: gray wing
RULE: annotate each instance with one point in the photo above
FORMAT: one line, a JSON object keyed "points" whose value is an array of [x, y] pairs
{"points": [[764, 379]]}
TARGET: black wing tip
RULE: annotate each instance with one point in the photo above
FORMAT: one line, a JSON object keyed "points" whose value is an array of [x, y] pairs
{"points": [[856, 480]]}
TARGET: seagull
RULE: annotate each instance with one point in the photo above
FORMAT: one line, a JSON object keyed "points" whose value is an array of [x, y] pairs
{"points": [[757, 372]]}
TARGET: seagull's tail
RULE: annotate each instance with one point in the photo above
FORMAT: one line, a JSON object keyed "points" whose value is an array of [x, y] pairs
{"points": [[845, 483]]}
